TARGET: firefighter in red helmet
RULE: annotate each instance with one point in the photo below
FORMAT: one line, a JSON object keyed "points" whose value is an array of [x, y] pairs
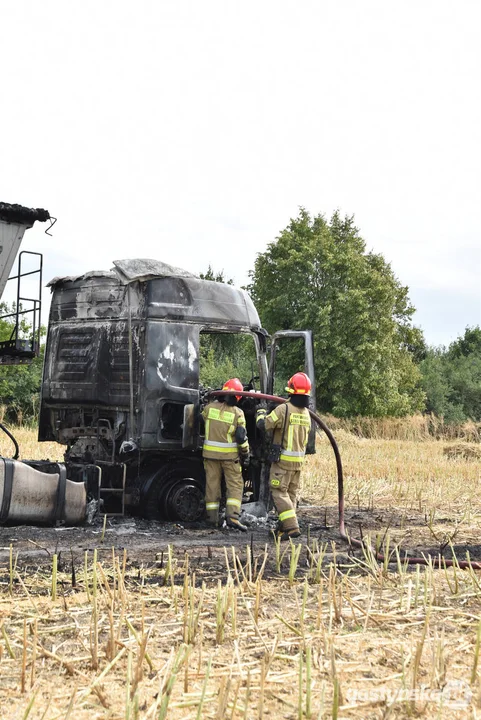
{"points": [[225, 445], [291, 423]]}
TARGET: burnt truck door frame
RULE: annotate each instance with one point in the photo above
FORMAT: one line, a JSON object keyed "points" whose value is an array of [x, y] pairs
{"points": [[305, 335], [191, 435]]}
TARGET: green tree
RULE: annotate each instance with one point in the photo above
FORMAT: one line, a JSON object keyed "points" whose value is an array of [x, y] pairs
{"points": [[211, 274], [452, 378], [225, 355], [317, 275], [19, 384], [467, 345]]}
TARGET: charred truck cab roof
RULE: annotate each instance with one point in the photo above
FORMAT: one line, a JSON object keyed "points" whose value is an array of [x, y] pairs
{"points": [[122, 364]]}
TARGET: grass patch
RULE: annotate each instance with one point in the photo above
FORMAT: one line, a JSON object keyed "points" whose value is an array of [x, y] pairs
{"points": [[316, 634]]}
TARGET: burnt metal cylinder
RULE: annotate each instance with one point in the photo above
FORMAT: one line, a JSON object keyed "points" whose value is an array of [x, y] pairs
{"points": [[30, 496]]}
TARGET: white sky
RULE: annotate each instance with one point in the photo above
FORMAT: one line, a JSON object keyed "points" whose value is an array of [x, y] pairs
{"points": [[192, 131]]}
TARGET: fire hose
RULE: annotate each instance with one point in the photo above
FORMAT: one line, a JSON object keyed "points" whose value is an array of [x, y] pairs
{"points": [[435, 560], [15, 443]]}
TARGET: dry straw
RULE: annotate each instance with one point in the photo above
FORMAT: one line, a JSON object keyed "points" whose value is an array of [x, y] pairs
{"points": [[293, 630], [299, 651]]}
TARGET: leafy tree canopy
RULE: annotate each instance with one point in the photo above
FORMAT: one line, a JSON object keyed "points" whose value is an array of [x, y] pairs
{"points": [[225, 355], [452, 378], [211, 274], [19, 384], [317, 275]]}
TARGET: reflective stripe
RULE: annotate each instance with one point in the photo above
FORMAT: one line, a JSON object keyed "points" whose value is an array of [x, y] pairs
{"points": [[290, 439], [286, 458], [220, 450], [293, 453], [220, 444], [245, 445], [211, 506], [233, 501], [287, 514], [274, 416]]}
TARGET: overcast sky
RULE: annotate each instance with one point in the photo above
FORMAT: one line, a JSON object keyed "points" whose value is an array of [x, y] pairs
{"points": [[192, 131]]}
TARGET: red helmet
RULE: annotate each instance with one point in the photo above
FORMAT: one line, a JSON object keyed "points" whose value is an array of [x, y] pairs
{"points": [[234, 384], [299, 384]]}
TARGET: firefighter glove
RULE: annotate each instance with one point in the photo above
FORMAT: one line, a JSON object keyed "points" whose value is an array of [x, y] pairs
{"points": [[260, 418], [246, 460], [261, 411]]}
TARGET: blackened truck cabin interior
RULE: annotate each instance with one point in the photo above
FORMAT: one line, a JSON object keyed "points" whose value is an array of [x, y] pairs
{"points": [[130, 356], [221, 355], [228, 355]]}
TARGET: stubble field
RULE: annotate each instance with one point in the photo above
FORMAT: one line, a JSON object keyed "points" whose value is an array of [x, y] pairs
{"points": [[192, 625]]}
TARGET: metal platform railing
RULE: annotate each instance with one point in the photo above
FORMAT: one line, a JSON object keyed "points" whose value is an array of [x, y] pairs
{"points": [[19, 349]]}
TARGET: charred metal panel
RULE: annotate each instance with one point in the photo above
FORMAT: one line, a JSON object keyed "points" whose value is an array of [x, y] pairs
{"points": [[89, 298], [103, 295], [89, 363], [171, 381], [141, 269], [200, 301], [118, 363]]}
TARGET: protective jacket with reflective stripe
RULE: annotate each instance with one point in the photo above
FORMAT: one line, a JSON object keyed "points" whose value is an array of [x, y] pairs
{"points": [[292, 433], [221, 423]]}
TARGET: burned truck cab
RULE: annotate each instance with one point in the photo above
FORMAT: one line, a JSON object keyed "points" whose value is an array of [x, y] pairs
{"points": [[130, 356]]}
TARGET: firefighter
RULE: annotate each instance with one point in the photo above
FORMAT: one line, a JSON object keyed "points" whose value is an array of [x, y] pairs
{"points": [[291, 423], [225, 445]]}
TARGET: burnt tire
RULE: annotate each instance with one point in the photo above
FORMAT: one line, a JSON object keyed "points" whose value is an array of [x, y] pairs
{"points": [[175, 493]]}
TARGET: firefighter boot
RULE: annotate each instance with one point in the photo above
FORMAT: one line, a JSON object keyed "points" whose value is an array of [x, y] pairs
{"points": [[212, 522], [288, 534], [236, 524]]}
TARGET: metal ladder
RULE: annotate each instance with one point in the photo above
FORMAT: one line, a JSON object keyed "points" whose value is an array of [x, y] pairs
{"points": [[18, 350], [105, 491]]}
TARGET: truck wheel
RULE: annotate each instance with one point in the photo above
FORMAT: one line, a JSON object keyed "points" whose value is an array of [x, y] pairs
{"points": [[176, 493]]}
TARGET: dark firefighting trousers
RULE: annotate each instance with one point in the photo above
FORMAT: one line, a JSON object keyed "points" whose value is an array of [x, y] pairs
{"points": [[234, 484], [284, 486]]}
